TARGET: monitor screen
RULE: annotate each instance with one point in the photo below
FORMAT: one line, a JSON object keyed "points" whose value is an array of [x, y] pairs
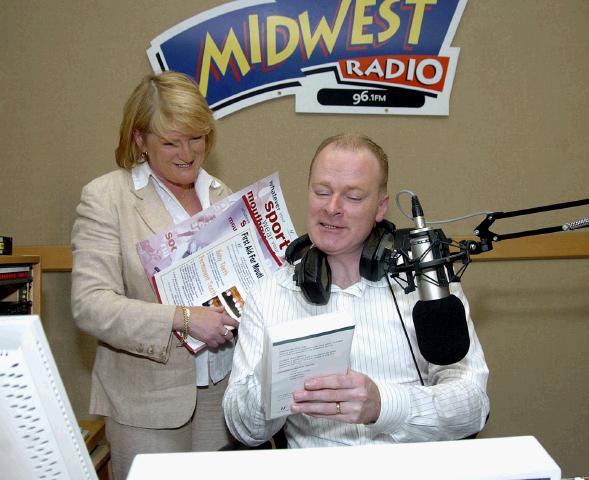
{"points": [[39, 434]]}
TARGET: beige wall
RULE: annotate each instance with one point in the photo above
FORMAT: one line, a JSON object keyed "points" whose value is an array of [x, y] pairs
{"points": [[515, 138]]}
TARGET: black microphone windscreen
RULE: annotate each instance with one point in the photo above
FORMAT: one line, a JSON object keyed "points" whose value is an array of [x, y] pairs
{"points": [[441, 330]]}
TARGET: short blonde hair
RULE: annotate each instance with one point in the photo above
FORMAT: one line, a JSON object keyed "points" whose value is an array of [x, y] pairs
{"points": [[161, 103], [352, 141]]}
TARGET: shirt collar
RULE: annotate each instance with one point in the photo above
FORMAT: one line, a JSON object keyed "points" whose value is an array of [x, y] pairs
{"points": [[203, 183], [140, 175], [142, 172]]}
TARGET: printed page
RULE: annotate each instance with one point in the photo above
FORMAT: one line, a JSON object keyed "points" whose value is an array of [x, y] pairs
{"points": [[261, 205], [219, 275]]}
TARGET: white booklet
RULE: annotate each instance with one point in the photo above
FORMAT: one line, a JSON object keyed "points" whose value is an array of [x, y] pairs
{"points": [[301, 349]]}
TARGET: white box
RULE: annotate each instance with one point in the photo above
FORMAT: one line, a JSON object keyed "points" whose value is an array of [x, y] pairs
{"points": [[511, 458]]}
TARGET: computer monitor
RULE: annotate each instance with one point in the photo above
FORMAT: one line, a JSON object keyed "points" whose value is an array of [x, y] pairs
{"points": [[39, 434]]}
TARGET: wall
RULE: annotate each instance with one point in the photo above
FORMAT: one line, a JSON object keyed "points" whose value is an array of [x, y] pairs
{"points": [[515, 138]]}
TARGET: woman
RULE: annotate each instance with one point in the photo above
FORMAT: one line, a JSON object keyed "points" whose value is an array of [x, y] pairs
{"points": [[145, 386]]}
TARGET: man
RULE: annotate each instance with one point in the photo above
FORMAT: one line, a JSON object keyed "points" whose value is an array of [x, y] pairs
{"points": [[381, 399]]}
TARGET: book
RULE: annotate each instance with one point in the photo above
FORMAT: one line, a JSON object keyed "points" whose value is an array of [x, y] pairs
{"points": [[301, 349], [11, 275], [5, 245]]}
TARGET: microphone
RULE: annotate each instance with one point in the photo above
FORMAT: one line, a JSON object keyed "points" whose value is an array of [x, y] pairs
{"points": [[438, 316]]}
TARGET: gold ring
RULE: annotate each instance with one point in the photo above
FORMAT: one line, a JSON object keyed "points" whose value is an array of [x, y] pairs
{"points": [[338, 408]]}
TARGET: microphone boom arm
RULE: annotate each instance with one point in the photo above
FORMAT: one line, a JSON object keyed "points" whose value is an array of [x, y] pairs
{"points": [[487, 237], [439, 270]]}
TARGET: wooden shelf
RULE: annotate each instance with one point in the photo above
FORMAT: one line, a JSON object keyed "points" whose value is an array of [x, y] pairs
{"points": [[58, 258]]}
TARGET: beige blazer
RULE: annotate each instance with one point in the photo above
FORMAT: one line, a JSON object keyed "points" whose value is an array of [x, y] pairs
{"points": [[139, 377]]}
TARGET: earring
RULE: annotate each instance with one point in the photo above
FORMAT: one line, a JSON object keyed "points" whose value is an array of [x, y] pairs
{"points": [[143, 157]]}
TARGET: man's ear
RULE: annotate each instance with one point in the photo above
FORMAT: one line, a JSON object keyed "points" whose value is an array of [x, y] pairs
{"points": [[383, 207]]}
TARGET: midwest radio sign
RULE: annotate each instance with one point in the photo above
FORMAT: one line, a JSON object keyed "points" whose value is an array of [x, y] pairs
{"points": [[390, 57]]}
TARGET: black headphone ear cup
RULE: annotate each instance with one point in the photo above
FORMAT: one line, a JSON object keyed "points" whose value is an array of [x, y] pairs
{"points": [[313, 275], [372, 264], [297, 248], [312, 272]]}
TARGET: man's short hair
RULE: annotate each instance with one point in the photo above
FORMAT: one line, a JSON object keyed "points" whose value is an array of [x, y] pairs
{"points": [[353, 142]]}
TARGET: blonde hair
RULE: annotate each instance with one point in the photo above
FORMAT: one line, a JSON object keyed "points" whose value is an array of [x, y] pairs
{"points": [[354, 142], [161, 103]]}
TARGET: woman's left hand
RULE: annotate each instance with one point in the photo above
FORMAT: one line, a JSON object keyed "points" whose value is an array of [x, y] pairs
{"points": [[209, 325]]}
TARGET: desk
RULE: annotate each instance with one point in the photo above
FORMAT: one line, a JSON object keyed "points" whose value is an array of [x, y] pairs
{"points": [[93, 432], [512, 458]]}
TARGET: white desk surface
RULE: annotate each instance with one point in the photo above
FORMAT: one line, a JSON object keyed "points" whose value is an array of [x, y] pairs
{"points": [[511, 458]]}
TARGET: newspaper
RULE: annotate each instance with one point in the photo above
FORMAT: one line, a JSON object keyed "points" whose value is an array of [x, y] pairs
{"points": [[217, 255]]}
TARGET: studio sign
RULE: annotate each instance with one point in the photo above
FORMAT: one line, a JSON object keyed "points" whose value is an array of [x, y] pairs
{"points": [[388, 57]]}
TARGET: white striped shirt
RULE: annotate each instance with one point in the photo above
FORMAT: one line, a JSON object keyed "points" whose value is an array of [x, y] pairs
{"points": [[452, 405]]}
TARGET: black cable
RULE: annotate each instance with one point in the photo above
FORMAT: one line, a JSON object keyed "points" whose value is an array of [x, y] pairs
{"points": [[405, 330]]}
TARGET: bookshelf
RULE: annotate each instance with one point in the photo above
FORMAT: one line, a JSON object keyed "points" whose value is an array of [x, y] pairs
{"points": [[93, 432], [20, 284]]}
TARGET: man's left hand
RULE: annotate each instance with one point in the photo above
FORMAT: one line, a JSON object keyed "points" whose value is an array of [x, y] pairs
{"points": [[351, 398]]}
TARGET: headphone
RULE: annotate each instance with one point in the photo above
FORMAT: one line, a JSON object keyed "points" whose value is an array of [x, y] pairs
{"points": [[313, 274]]}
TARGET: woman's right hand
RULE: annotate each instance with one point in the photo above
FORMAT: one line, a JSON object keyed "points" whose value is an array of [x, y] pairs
{"points": [[208, 324]]}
